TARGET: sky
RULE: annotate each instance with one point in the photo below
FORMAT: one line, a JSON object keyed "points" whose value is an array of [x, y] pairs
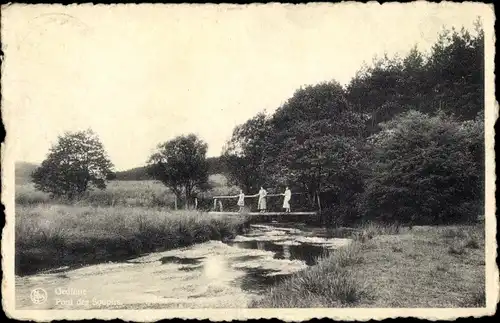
{"points": [[138, 75]]}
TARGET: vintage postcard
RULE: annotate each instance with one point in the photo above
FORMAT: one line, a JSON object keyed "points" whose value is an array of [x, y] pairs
{"points": [[230, 162]]}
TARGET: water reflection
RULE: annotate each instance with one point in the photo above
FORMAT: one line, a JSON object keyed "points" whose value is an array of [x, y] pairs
{"points": [[190, 268], [306, 230], [258, 280], [56, 270], [284, 242], [180, 260], [216, 269], [305, 252], [286, 252], [246, 258]]}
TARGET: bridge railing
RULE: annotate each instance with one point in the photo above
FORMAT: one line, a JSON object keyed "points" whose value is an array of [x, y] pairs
{"points": [[274, 203]]}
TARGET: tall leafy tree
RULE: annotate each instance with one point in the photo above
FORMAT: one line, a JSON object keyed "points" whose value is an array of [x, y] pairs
{"points": [[181, 165], [456, 72], [314, 141], [77, 162], [244, 153], [375, 91], [450, 78]]}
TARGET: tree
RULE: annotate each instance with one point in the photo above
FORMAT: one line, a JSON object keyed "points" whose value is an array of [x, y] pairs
{"points": [[181, 165], [376, 91], [310, 144], [474, 134], [423, 170], [244, 153], [456, 72], [314, 142], [77, 162], [449, 78]]}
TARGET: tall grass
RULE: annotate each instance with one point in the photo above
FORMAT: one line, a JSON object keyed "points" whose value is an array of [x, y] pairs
{"points": [[330, 283], [460, 239], [392, 270], [333, 281], [477, 298], [27, 195], [368, 230], [376, 229], [55, 235]]}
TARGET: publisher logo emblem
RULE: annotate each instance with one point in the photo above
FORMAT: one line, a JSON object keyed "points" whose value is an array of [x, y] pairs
{"points": [[38, 296]]}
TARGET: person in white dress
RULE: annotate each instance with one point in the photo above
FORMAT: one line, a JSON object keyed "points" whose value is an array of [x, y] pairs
{"points": [[241, 201], [262, 200], [286, 200]]}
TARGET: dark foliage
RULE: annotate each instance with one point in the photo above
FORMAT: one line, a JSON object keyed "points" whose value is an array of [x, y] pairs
{"points": [[74, 165]]}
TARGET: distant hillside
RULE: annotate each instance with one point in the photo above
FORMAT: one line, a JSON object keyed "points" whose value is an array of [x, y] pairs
{"points": [[134, 174], [23, 172], [215, 166]]}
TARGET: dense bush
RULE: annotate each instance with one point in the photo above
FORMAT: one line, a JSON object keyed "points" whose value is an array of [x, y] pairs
{"points": [[423, 170]]}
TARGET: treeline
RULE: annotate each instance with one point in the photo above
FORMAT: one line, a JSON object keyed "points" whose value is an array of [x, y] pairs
{"points": [[215, 166], [402, 142], [134, 174]]}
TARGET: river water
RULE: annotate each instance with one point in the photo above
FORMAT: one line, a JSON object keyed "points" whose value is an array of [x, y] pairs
{"points": [[209, 275]]}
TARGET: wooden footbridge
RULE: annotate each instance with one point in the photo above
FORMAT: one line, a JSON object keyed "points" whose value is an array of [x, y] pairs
{"points": [[218, 207], [263, 213]]}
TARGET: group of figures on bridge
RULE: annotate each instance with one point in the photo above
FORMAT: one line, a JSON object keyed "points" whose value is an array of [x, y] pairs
{"points": [[262, 203]]}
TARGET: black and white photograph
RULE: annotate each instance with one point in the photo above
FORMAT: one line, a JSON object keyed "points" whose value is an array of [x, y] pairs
{"points": [[233, 161]]}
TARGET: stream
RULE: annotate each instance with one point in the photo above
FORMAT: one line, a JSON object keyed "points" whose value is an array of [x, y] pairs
{"points": [[208, 275]]}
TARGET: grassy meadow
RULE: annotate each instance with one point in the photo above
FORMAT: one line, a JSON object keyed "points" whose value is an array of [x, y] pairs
{"points": [[393, 267], [146, 193]]}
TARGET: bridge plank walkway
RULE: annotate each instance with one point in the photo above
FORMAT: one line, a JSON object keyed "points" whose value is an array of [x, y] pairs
{"points": [[264, 213]]}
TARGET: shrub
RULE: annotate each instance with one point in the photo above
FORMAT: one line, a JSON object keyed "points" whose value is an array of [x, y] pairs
{"points": [[420, 166]]}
